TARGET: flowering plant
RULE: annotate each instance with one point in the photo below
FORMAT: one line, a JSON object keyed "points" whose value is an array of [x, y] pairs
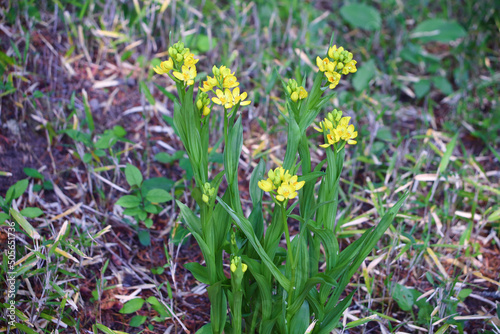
{"points": [[271, 288]]}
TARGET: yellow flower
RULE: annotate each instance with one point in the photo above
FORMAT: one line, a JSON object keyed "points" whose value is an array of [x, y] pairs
{"points": [[302, 93], [331, 138], [333, 79], [189, 59], [333, 52], [224, 98], [205, 198], [325, 125], [322, 63], [230, 81], [350, 67], [188, 74], [164, 67], [266, 185], [209, 84], [296, 184], [206, 111], [240, 98], [285, 191]]}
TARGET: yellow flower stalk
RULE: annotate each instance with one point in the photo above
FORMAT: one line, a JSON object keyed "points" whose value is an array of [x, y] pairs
{"points": [[187, 75], [164, 67]]}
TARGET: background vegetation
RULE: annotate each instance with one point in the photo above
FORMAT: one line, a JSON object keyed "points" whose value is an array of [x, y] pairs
{"points": [[79, 104]]}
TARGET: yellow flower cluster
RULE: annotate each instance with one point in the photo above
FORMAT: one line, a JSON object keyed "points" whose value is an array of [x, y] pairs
{"points": [[183, 61], [338, 62], [202, 103], [285, 183], [235, 262], [337, 128], [208, 192], [296, 92], [225, 80]]}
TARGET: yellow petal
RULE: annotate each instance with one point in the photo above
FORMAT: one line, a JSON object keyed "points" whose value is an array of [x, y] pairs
{"points": [[216, 101], [280, 198], [178, 75], [245, 103]]}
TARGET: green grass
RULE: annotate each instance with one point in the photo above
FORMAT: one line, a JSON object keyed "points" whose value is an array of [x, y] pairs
{"points": [[426, 118]]}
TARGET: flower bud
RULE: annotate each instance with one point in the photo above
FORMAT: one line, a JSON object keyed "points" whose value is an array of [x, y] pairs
{"points": [[199, 104], [340, 65], [172, 52], [336, 55], [295, 96], [205, 198], [179, 57], [215, 71], [206, 111]]}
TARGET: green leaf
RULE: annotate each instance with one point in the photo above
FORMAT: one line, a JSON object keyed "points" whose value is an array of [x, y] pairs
{"points": [[438, 30], [362, 16], [24, 224], [362, 77], [3, 217], [105, 329], [129, 201], [32, 173], [403, 296], [199, 272], [156, 183], [494, 216], [447, 155], [147, 93], [443, 85], [144, 237], [132, 306], [17, 190], [246, 227], [31, 212], [158, 306], [25, 328], [158, 196], [206, 329], [137, 320], [422, 88], [133, 175]]}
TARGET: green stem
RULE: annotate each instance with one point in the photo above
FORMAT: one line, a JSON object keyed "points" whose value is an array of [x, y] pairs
{"points": [[289, 256]]}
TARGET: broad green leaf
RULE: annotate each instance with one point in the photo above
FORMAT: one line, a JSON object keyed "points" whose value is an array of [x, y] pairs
{"points": [[132, 306], [362, 77], [422, 87], [133, 175], [31, 212], [32, 173], [144, 237], [443, 85], [199, 272], [158, 196], [137, 320], [24, 224], [129, 201], [438, 30], [403, 296], [362, 16]]}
